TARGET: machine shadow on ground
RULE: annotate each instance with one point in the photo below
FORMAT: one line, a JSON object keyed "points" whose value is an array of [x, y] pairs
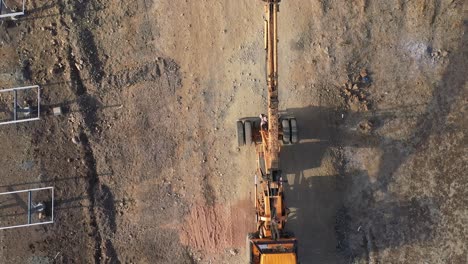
{"points": [[329, 231], [334, 214]]}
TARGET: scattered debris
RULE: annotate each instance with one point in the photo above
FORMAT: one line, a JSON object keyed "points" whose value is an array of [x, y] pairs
{"points": [[57, 111], [364, 76], [439, 54], [366, 126], [354, 94]]}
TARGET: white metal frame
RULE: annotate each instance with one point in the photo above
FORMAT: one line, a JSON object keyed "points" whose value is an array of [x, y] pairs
{"points": [[12, 14], [29, 191], [15, 104]]}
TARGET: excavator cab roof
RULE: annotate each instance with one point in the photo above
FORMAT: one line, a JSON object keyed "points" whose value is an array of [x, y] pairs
{"points": [[269, 251], [281, 258]]}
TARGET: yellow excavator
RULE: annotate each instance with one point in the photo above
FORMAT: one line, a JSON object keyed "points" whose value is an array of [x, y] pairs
{"points": [[270, 243]]}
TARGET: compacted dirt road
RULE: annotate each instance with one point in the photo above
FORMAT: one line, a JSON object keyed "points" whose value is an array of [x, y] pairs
{"points": [[144, 159]]}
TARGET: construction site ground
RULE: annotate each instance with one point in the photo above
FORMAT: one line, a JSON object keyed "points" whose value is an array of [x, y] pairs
{"points": [[144, 159]]}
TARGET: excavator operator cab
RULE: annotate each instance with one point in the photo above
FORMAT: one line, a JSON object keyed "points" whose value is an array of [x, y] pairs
{"points": [[264, 251]]}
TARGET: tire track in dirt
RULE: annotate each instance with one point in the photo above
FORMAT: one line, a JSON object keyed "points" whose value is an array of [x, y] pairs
{"points": [[101, 211], [149, 72], [86, 39], [90, 52], [90, 163], [92, 78], [94, 187]]}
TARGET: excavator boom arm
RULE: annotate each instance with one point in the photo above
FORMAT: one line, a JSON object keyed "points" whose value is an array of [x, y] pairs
{"points": [[271, 42]]}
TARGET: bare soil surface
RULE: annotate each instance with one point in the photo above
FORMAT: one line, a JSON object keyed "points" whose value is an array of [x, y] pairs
{"points": [[144, 159]]}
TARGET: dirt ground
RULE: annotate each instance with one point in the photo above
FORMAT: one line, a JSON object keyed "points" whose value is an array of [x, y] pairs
{"points": [[144, 160]]}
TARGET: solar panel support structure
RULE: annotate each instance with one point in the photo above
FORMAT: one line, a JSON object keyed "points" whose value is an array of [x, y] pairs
{"points": [[17, 109], [32, 208]]}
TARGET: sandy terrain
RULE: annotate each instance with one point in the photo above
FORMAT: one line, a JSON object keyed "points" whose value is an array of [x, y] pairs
{"points": [[144, 161]]}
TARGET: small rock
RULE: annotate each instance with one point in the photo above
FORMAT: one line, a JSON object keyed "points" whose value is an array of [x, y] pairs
{"points": [[366, 126], [365, 108], [233, 252], [363, 73], [76, 140], [366, 79]]}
